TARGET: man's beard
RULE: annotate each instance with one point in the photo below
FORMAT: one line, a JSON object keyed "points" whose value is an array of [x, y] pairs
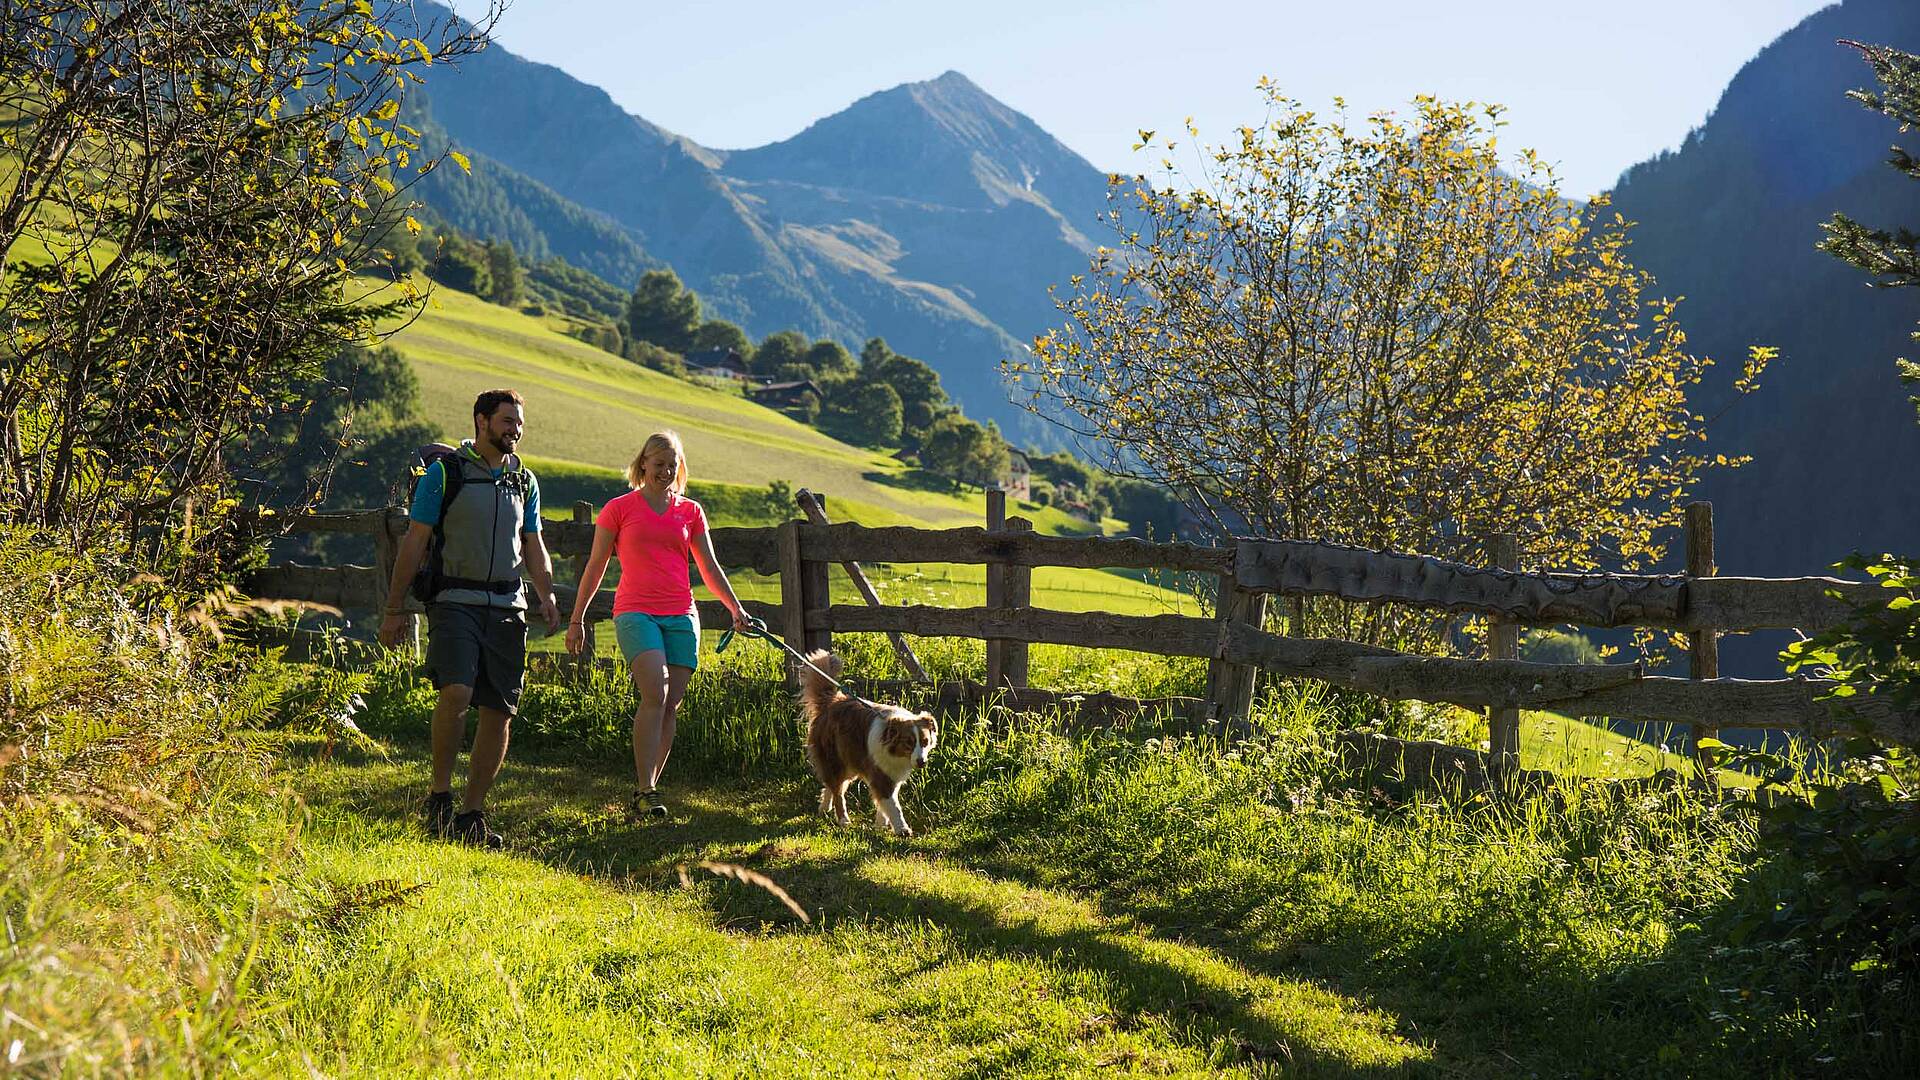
{"points": [[502, 443]]}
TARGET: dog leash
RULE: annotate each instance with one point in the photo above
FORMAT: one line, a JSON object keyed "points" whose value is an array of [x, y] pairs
{"points": [[758, 629]]}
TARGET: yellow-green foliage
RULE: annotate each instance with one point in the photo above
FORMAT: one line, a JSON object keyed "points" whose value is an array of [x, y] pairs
{"points": [[1376, 334], [109, 693], [184, 190], [128, 845]]}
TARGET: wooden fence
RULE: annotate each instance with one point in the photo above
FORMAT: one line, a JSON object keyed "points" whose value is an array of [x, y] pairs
{"points": [[1234, 640]]}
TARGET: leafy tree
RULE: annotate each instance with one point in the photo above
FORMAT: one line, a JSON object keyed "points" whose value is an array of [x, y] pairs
{"points": [[964, 451], [403, 251], [1148, 509], [830, 360], [1061, 467], [806, 409], [464, 265], [720, 334], [1558, 647], [1891, 257], [863, 413], [367, 416], [797, 371], [192, 184], [922, 399], [602, 336], [649, 355], [583, 291], [778, 350], [503, 274], [663, 312], [1379, 336]]}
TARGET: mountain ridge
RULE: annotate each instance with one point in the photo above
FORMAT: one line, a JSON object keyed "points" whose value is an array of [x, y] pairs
{"points": [[929, 214]]}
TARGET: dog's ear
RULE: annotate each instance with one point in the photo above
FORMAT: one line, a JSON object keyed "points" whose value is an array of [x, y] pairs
{"points": [[896, 733], [925, 722]]}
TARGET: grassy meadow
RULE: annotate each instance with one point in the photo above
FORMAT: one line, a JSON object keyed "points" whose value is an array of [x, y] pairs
{"points": [[1133, 904], [1061, 588], [588, 411], [589, 407]]}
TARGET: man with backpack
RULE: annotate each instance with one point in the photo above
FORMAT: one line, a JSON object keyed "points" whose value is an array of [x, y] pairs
{"points": [[474, 529]]}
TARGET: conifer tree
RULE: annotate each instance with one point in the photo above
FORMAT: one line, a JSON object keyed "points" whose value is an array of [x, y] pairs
{"points": [[1892, 257]]}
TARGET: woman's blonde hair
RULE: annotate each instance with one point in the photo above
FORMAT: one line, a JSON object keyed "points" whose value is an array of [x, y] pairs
{"points": [[659, 440]]}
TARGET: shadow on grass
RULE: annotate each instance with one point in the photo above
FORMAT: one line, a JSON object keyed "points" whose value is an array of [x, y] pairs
{"points": [[1674, 1011], [913, 480], [567, 810]]}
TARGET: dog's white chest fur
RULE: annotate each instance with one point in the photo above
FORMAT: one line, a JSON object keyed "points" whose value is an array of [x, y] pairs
{"points": [[894, 765]]}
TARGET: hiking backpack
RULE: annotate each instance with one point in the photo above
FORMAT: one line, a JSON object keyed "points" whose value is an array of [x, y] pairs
{"points": [[430, 577], [426, 577]]}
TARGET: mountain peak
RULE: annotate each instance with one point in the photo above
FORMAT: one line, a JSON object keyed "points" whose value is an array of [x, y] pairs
{"points": [[955, 79], [944, 139]]}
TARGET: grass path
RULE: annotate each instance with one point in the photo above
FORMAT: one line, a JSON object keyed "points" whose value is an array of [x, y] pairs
{"points": [[579, 952]]}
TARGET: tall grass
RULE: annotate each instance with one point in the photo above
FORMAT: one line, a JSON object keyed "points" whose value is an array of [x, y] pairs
{"points": [[144, 857], [157, 900]]}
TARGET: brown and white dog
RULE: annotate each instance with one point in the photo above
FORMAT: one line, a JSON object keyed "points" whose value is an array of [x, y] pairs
{"points": [[850, 739]]}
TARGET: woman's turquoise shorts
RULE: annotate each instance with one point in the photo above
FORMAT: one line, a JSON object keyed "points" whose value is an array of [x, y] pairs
{"points": [[676, 635]]}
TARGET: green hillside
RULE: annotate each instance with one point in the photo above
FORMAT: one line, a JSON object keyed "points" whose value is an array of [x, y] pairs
{"points": [[588, 406], [588, 412]]}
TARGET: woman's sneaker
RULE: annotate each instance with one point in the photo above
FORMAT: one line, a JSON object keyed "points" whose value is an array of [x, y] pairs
{"points": [[439, 814], [470, 827], [647, 804]]}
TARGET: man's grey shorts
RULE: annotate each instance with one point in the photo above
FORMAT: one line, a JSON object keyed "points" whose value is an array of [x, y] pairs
{"points": [[481, 647]]}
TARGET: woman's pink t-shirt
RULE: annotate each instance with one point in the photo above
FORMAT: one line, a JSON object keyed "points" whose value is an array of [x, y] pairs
{"points": [[653, 548]]}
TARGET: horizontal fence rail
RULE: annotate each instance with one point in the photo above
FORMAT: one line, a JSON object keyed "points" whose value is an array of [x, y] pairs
{"points": [[1667, 601], [799, 553], [901, 543]]}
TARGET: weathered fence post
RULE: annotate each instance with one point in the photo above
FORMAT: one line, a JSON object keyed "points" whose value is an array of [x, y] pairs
{"points": [[1019, 593], [803, 589], [583, 665], [1503, 643], [793, 601], [996, 587], [1230, 686], [817, 587], [811, 505], [1703, 652], [385, 550]]}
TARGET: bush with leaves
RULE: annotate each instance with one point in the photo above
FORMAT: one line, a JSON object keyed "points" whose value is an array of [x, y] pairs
{"points": [[663, 312], [963, 451], [1385, 334], [1854, 825], [189, 187], [1852, 822]]}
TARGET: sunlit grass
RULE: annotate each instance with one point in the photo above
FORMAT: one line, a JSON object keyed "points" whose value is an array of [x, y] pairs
{"points": [[592, 408]]}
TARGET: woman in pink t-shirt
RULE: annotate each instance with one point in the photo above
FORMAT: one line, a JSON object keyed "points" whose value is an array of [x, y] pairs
{"points": [[654, 528]]}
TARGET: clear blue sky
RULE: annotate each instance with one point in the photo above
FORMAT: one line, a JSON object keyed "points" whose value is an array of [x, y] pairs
{"points": [[1594, 87]]}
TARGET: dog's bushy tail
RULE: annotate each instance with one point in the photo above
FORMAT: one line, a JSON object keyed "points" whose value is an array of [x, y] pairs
{"points": [[815, 692]]}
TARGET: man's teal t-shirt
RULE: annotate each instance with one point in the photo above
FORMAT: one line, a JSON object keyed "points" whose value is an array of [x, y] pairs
{"points": [[425, 508]]}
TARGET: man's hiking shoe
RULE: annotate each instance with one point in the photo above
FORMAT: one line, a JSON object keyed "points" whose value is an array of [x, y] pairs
{"points": [[647, 804], [470, 827], [440, 814]]}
